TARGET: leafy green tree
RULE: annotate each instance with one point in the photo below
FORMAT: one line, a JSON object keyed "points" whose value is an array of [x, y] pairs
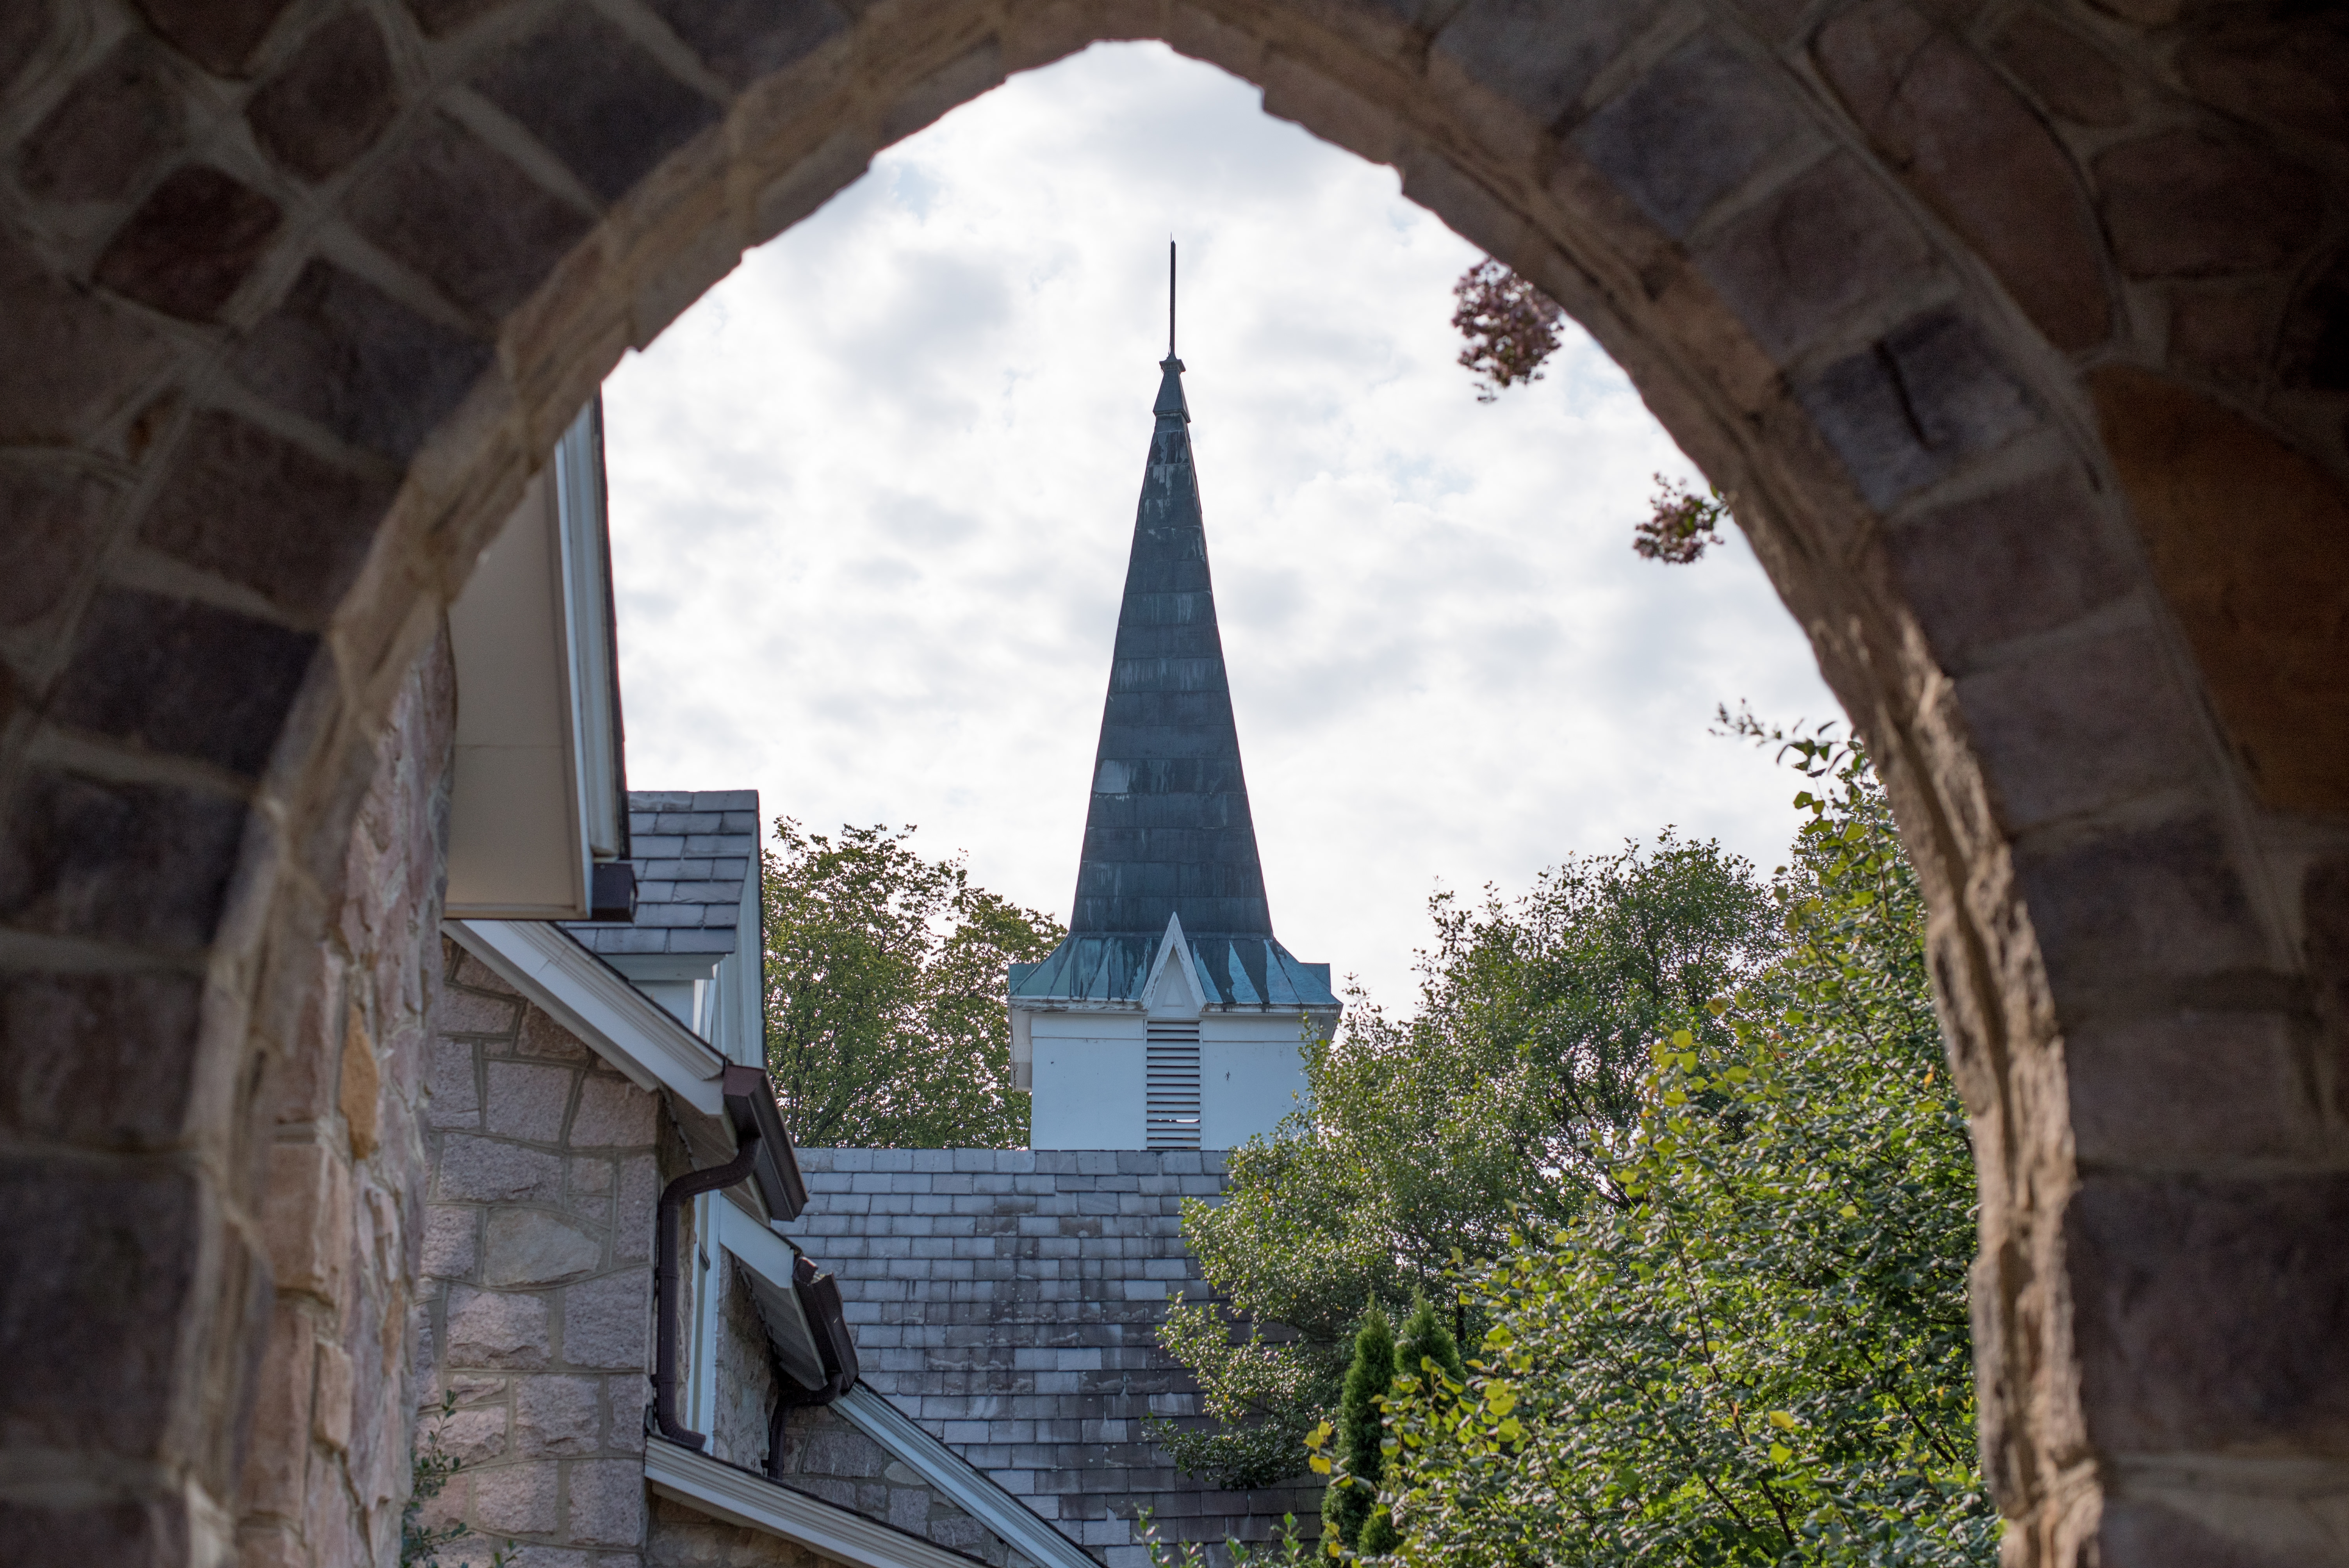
{"points": [[884, 1017], [1504, 1104], [1353, 1489], [1426, 1351], [1762, 1355]]}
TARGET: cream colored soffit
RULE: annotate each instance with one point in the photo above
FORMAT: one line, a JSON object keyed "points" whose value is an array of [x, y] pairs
{"points": [[738, 1497], [972, 1490], [588, 998], [537, 748]]}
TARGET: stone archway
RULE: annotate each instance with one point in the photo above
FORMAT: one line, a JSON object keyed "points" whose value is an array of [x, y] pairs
{"points": [[2020, 333]]}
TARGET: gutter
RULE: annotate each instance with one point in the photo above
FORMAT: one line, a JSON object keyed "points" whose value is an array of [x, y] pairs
{"points": [[692, 1184]]}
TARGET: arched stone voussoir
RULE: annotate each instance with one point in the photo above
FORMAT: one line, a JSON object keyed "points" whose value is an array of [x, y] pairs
{"points": [[304, 295]]}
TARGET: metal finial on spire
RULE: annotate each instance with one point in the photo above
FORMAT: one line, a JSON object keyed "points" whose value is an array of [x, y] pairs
{"points": [[1170, 297]]}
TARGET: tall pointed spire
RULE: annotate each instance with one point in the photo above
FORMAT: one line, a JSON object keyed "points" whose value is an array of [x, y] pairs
{"points": [[1168, 832]]}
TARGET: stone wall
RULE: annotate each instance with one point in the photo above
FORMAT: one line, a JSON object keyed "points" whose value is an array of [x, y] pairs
{"points": [[537, 1310], [1009, 1301], [327, 1468], [2016, 330]]}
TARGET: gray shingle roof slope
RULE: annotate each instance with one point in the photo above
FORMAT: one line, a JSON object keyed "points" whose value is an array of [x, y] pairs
{"points": [[1168, 829], [1237, 972], [693, 849], [1008, 1300]]}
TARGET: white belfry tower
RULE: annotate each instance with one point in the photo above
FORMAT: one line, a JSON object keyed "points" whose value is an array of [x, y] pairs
{"points": [[1169, 1017]]}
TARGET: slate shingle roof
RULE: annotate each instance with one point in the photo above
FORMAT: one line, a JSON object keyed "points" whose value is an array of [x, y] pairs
{"points": [[1008, 1300], [693, 851], [1168, 830]]}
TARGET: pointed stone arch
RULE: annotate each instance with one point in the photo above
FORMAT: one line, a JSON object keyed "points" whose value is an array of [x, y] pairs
{"points": [[2017, 332]]}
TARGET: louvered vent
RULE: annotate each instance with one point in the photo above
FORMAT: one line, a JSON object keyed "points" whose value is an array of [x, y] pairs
{"points": [[1171, 1087]]}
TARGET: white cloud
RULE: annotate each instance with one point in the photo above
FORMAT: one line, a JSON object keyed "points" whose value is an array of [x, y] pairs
{"points": [[871, 498]]}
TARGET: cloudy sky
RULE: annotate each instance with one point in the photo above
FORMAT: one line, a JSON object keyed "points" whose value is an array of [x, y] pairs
{"points": [[872, 499]]}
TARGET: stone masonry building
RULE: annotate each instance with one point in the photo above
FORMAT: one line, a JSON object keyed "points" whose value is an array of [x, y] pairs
{"points": [[2018, 329]]}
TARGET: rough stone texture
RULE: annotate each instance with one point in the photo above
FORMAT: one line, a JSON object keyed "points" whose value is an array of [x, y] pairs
{"points": [[507, 283], [538, 1299], [1009, 1301], [1966, 145], [2250, 542], [327, 1470]]}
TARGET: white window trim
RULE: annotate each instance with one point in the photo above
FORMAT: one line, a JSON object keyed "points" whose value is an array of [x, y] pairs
{"points": [[754, 1502], [595, 1002]]}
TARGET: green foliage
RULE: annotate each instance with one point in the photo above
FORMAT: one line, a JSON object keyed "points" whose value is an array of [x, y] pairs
{"points": [[885, 1014], [1425, 1340], [1504, 1104], [1346, 1505], [431, 1468], [1761, 1355]]}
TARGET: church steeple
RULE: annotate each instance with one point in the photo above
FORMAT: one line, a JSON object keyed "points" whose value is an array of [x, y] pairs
{"points": [[1168, 832]]}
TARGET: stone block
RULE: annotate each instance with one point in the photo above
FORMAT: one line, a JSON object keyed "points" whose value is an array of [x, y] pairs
{"points": [[246, 504], [1910, 410], [606, 1321], [607, 1503], [2080, 728], [1972, 150], [459, 212], [451, 1241], [340, 351], [1540, 58], [496, 1329], [557, 1417], [190, 244], [2156, 905], [178, 676], [484, 1171], [1799, 265], [2191, 1088], [75, 1039], [2182, 203], [2225, 510], [58, 520], [119, 121], [527, 1101], [542, 1037], [595, 99], [474, 1436], [220, 39], [2026, 558], [329, 102], [2067, 72], [457, 1011], [633, 1207], [1690, 131], [276, 1467], [330, 1415], [2207, 1314], [307, 1217], [517, 1498], [613, 1113], [74, 359], [455, 1094], [530, 1248]]}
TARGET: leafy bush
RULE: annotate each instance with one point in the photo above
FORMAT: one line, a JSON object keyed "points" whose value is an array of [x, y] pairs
{"points": [[1759, 1353]]}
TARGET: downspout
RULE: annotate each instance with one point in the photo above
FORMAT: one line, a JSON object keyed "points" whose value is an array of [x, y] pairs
{"points": [[692, 1184]]}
